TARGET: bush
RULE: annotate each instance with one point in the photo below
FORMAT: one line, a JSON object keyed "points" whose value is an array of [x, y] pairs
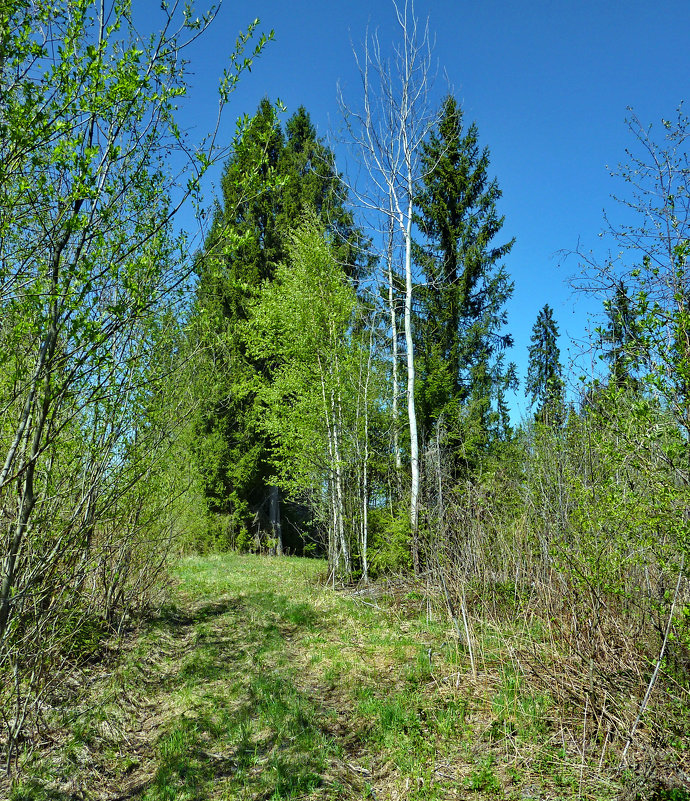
{"points": [[389, 539]]}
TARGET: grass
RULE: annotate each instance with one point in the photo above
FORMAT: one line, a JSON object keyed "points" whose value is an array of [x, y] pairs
{"points": [[257, 682]]}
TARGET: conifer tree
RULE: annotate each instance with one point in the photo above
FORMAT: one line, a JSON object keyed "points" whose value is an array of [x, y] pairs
{"points": [[461, 309], [313, 183], [620, 337], [544, 372], [240, 251], [271, 178]]}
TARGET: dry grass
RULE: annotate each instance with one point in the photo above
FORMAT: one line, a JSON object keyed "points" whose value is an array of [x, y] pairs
{"points": [[258, 682]]}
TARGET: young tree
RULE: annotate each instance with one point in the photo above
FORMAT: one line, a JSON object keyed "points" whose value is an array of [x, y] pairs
{"points": [[299, 325], [462, 303], [388, 133], [544, 372], [88, 262], [646, 286], [619, 338]]}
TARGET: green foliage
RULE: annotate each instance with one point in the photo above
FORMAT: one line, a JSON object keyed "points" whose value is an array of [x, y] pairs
{"points": [[459, 342], [629, 512], [603, 496], [91, 280], [544, 372], [389, 542], [301, 325], [273, 178]]}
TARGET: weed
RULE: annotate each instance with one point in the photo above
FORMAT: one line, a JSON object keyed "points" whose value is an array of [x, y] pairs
{"points": [[397, 717], [484, 780], [34, 790], [181, 770], [450, 717], [421, 670], [518, 710]]}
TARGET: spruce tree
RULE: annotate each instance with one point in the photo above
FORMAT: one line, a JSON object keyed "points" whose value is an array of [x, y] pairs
{"points": [[272, 177], [461, 310], [620, 336], [313, 183], [544, 383]]}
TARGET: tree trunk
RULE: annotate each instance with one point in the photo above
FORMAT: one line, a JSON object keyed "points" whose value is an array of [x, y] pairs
{"points": [[274, 517], [36, 418], [337, 544], [340, 504], [365, 464], [394, 342], [411, 410]]}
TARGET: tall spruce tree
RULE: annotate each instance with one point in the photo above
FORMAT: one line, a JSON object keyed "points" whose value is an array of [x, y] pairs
{"points": [[544, 372], [461, 310], [272, 177], [313, 183]]}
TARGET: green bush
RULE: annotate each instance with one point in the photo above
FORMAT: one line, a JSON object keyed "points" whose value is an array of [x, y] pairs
{"points": [[389, 542]]}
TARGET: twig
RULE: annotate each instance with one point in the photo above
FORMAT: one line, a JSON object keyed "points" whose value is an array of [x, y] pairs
{"points": [[652, 681], [467, 633], [584, 736]]}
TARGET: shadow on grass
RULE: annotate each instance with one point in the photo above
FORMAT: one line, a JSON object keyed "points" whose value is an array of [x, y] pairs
{"points": [[245, 727], [299, 614], [171, 616]]}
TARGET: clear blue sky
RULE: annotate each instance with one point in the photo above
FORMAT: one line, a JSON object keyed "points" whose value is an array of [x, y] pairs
{"points": [[548, 84]]}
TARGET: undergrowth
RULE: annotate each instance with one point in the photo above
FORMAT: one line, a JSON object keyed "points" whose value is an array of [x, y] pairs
{"points": [[256, 681]]}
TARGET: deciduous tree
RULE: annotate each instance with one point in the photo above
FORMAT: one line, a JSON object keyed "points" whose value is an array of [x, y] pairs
{"points": [[88, 266], [271, 179], [388, 131], [300, 324]]}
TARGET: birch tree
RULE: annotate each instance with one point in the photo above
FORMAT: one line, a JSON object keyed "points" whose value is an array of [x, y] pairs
{"points": [[289, 170], [388, 130], [299, 326], [88, 261]]}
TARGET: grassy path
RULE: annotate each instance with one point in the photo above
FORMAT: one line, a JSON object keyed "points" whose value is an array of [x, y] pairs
{"points": [[255, 682]]}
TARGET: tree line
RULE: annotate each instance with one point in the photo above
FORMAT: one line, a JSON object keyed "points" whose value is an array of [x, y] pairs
{"points": [[328, 373], [427, 283], [361, 409]]}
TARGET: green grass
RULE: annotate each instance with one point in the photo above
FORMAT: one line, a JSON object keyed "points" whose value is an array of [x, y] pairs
{"points": [[524, 712], [244, 729], [257, 682]]}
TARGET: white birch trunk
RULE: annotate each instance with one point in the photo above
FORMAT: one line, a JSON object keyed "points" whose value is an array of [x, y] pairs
{"points": [[394, 342], [337, 543], [411, 410], [333, 525], [340, 504], [390, 132], [365, 464]]}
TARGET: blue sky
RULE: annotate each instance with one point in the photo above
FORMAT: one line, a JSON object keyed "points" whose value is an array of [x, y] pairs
{"points": [[548, 84]]}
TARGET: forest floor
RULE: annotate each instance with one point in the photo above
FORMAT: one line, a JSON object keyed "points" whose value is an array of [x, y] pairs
{"points": [[256, 681]]}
